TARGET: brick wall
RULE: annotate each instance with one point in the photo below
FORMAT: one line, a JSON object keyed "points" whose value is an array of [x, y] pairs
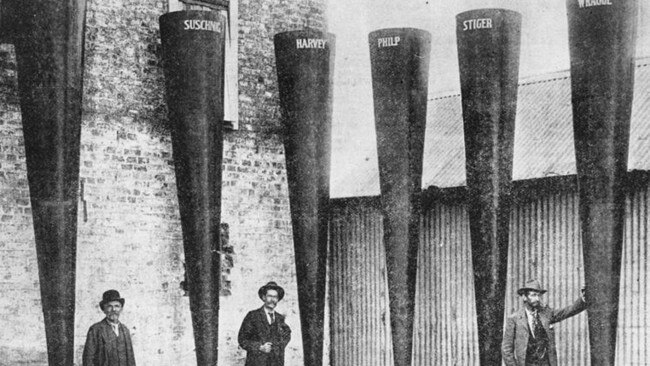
{"points": [[129, 233]]}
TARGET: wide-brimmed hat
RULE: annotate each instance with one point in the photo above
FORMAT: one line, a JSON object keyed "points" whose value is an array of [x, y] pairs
{"points": [[271, 286], [532, 285], [110, 295]]}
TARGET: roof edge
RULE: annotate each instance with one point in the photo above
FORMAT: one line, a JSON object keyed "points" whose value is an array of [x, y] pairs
{"points": [[525, 190]]}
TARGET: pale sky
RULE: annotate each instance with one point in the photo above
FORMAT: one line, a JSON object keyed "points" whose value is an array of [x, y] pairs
{"points": [[544, 50]]}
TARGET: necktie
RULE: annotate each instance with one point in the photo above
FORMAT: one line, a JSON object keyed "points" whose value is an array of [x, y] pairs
{"points": [[538, 329], [537, 353], [272, 315], [115, 329]]}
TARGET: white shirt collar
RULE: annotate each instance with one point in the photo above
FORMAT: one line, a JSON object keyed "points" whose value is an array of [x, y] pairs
{"points": [[268, 313], [115, 327]]}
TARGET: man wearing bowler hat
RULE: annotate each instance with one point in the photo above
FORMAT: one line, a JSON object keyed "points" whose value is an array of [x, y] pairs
{"points": [[263, 333], [109, 342], [529, 337]]}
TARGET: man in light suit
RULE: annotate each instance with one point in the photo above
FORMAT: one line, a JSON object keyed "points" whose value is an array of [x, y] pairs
{"points": [[263, 333], [529, 338], [109, 342]]}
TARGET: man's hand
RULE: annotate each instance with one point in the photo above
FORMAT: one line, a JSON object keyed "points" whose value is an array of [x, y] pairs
{"points": [[266, 347]]}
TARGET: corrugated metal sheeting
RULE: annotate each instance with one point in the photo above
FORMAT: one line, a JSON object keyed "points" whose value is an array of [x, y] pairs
{"points": [[359, 332], [445, 315], [544, 243], [633, 339]]}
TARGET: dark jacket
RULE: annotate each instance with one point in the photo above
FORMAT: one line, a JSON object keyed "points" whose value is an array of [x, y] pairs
{"points": [[256, 330], [515, 337], [101, 345]]}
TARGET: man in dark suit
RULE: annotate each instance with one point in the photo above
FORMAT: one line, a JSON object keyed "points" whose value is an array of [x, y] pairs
{"points": [[109, 342], [263, 333], [529, 338]]}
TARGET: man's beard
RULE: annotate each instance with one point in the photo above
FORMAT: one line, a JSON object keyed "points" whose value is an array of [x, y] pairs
{"points": [[535, 305]]}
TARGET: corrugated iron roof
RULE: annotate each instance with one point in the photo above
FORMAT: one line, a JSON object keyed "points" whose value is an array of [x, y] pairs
{"points": [[543, 136]]}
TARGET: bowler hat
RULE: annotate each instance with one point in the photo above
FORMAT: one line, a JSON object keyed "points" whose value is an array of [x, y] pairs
{"points": [[532, 285], [271, 286], [111, 295]]}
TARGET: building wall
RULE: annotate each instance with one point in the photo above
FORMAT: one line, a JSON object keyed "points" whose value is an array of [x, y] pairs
{"points": [[129, 233], [359, 321], [544, 244]]}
